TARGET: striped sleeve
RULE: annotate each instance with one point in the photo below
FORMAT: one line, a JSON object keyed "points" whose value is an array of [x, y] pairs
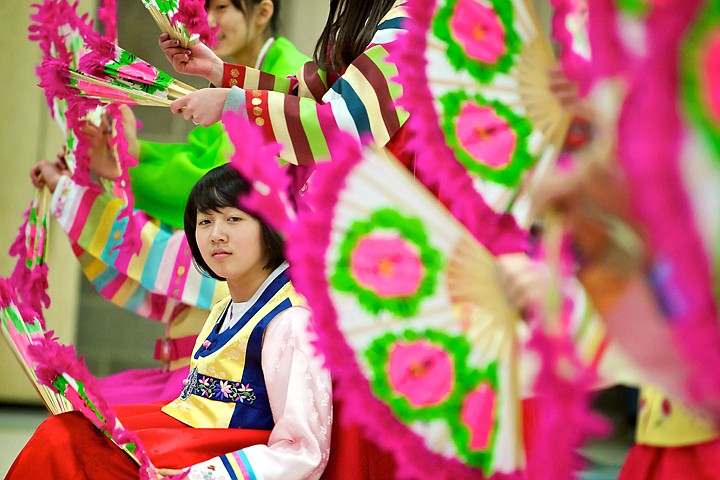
{"points": [[149, 281], [253, 79], [361, 102]]}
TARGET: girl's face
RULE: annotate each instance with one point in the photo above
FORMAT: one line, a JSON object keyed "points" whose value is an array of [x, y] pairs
{"points": [[233, 28], [231, 243]]}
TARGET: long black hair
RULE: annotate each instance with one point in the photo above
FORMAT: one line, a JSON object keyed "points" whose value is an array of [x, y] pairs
{"points": [[219, 188], [350, 26], [247, 6]]}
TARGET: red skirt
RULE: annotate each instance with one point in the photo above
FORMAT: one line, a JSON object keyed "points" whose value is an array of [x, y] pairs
{"points": [[693, 462], [68, 446]]}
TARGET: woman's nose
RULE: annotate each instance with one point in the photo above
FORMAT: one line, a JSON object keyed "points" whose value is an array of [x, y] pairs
{"points": [[217, 234], [211, 20]]}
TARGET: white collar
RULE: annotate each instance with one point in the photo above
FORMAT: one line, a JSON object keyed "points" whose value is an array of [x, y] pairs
{"points": [[237, 309]]}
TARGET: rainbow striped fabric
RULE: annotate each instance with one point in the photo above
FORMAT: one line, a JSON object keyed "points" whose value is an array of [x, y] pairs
{"points": [[157, 282], [301, 112]]}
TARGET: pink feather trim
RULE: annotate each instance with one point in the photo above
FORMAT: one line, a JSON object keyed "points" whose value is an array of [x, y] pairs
{"points": [[192, 14], [306, 254], [258, 162], [437, 167], [107, 14], [54, 359], [650, 133], [575, 66], [29, 285]]}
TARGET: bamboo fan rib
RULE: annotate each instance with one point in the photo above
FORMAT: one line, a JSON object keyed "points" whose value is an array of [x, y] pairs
{"points": [[54, 402], [166, 24], [115, 93]]}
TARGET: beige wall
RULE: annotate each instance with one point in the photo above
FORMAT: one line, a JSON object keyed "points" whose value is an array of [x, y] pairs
{"points": [[302, 22], [27, 134]]}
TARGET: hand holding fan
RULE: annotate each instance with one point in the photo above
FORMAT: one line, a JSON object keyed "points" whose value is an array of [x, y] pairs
{"points": [[182, 20], [108, 73], [107, 61]]}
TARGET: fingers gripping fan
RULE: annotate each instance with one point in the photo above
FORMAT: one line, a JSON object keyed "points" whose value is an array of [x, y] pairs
{"points": [[420, 339], [484, 68]]}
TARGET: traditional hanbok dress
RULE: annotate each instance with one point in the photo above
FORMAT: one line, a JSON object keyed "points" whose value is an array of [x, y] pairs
{"points": [[256, 404]]}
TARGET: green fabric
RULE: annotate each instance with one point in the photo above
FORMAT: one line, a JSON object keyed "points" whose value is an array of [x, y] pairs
{"points": [[166, 172]]}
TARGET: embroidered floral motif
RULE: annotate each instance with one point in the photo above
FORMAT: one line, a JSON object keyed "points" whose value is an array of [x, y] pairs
{"points": [[218, 389]]}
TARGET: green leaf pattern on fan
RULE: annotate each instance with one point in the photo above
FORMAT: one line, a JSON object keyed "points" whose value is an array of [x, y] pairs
{"points": [[480, 36], [158, 81], [165, 6], [425, 376], [388, 263], [487, 137], [701, 73]]}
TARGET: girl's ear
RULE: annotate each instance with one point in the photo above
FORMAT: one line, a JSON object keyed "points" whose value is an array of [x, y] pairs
{"points": [[262, 14]]}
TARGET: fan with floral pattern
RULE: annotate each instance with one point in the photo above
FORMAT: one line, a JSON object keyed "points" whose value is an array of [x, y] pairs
{"points": [[483, 91], [416, 330]]}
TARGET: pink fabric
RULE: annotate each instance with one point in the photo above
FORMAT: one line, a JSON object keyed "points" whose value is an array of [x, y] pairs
{"points": [[142, 386]]}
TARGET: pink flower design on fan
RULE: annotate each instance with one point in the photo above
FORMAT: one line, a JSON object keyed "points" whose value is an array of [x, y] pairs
{"points": [[711, 74], [485, 135], [140, 71], [421, 372], [477, 413], [388, 265], [477, 28]]}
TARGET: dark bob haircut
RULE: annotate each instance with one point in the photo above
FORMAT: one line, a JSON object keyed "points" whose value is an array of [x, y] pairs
{"points": [[222, 187]]}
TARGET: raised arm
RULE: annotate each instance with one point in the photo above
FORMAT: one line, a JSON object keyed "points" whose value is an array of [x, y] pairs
{"points": [[361, 102], [162, 265]]}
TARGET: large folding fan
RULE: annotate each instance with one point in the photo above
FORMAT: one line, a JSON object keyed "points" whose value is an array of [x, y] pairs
{"points": [[61, 379], [479, 83], [412, 321]]}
